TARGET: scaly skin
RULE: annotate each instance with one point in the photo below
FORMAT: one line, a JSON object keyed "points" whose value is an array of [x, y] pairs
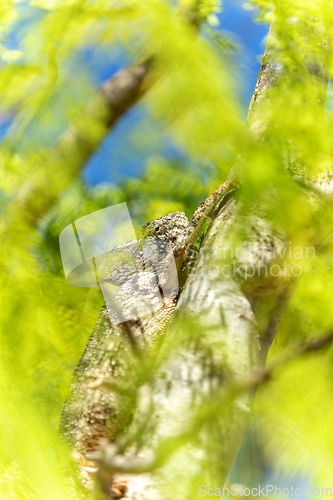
{"points": [[118, 356]]}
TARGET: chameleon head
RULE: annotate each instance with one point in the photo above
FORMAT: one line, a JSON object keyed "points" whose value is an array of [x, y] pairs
{"points": [[169, 227], [124, 261]]}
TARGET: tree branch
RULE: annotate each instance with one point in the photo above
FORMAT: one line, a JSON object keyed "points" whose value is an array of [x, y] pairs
{"points": [[65, 160], [221, 332], [67, 157], [111, 462]]}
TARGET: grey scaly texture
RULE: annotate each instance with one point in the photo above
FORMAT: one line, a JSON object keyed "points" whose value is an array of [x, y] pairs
{"points": [[119, 355]]}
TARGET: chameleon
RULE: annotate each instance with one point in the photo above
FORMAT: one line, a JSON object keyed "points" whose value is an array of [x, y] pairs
{"points": [[119, 354]]}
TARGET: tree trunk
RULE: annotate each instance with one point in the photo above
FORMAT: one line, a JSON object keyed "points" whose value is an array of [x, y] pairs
{"points": [[192, 417]]}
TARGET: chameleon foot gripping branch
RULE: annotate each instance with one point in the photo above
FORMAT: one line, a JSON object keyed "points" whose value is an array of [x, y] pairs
{"points": [[140, 283]]}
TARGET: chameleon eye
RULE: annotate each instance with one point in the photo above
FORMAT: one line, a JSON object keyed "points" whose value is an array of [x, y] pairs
{"points": [[157, 230]]}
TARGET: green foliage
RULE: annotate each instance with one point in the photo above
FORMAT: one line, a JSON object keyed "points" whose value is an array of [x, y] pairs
{"points": [[45, 323], [302, 443]]}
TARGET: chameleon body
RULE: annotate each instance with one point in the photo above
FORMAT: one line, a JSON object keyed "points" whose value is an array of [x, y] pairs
{"points": [[118, 354]]}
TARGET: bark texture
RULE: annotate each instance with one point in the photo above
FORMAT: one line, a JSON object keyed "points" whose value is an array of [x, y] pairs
{"points": [[190, 419]]}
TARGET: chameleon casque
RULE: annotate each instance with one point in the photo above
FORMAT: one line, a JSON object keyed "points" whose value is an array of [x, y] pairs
{"points": [[119, 353]]}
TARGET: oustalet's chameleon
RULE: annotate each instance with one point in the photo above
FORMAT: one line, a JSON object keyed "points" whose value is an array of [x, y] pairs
{"points": [[118, 356]]}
